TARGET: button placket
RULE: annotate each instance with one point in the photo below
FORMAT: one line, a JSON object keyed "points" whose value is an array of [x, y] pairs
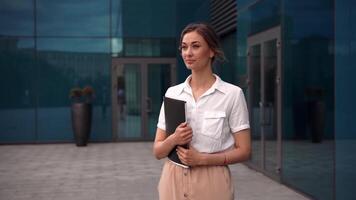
{"points": [[186, 183]]}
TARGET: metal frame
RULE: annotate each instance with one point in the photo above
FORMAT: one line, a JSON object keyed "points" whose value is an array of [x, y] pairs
{"points": [[143, 62], [259, 39]]}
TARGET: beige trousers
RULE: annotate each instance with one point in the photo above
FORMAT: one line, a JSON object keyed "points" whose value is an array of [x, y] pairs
{"points": [[195, 183]]}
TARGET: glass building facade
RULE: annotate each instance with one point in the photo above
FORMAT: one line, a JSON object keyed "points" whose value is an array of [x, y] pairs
{"points": [[287, 48], [293, 59]]}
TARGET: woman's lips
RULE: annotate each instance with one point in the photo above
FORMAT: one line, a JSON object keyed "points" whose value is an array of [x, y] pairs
{"points": [[190, 61]]}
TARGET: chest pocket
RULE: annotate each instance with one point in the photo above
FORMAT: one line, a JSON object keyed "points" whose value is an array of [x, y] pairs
{"points": [[213, 124]]}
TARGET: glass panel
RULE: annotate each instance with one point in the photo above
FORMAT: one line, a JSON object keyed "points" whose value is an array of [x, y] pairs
{"points": [[244, 3], [264, 14], [254, 95], [150, 47], [345, 82], [129, 101], [307, 62], [227, 70], [149, 18], [18, 95], [116, 18], [270, 104], [73, 18], [117, 47], [308, 97], [16, 18], [159, 79], [63, 65], [147, 27]]}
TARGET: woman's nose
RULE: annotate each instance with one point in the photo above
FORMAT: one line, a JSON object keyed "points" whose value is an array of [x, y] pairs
{"points": [[189, 51]]}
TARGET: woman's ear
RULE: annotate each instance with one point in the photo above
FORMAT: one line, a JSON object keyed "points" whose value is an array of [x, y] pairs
{"points": [[212, 54]]}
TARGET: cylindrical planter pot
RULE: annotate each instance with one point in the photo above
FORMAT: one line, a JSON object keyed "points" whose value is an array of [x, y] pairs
{"points": [[81, 122]]}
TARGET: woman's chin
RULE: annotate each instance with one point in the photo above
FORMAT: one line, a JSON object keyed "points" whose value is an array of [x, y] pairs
{"points": [[189, 66]]}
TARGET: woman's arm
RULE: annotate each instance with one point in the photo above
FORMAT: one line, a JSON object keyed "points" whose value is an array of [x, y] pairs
{"points": [[240, 153], [163, 144]]}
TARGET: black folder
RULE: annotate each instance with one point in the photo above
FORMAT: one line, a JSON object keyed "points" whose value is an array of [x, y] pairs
{"points": [[174, 111]]}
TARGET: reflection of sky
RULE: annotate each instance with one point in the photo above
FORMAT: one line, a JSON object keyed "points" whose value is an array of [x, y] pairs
{"points": [[306, 24], [16, 17], [90, 17], [116, 45], [25, 43], [74, 45], [58, 18], [310, 17]]}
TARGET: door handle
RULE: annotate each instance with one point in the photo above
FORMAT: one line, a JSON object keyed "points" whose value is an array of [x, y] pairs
{"points": [[266, 113], [262, 119], [148, 104], [269, 105]]}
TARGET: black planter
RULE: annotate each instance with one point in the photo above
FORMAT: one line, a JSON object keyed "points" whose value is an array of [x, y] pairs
{"points": [[81, 122]]}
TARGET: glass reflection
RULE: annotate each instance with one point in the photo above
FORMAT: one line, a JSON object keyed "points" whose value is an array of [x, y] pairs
{"points": [[16, 18], [116, 47], [308, 91], [17, 86], [254, 96], [264, 14], [345, 129], [64, 64], [308, 147], [73, 18], [116, 18], [159, 79], [270, 105], [128, 94], [149, 47]]}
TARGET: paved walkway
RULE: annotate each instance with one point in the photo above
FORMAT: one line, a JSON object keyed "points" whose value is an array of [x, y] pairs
{"points": [[105, 171]]}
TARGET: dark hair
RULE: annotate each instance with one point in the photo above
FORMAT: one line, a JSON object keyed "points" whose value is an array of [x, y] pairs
{"points": [[209, 35]]}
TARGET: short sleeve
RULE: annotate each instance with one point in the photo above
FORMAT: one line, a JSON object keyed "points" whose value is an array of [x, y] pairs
{"points": [[161, 119], [239, 118]]}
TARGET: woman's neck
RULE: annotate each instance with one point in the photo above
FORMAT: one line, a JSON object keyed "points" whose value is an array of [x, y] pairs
{"points": [[202, 80]]}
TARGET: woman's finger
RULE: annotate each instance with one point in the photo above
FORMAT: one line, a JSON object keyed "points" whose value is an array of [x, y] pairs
{"points": [[181, 149], [181, 157]]}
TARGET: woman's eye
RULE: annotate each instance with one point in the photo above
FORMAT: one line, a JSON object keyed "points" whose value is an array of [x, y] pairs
{"points": [[184, 48], [195, 46]]}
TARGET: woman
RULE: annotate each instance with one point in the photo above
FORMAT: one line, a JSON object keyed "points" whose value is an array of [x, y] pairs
{"points": [[217, 127]]}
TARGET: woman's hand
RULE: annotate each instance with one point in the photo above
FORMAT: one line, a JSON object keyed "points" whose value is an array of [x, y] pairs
{"points": [[190, 157], [183, 134]]}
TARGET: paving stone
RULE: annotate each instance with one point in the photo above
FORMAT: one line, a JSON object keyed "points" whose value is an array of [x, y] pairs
{"points": [[106, 171]]}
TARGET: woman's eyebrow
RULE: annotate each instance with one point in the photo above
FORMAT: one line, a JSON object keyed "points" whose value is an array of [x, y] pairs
{"points": [[194, 42]]}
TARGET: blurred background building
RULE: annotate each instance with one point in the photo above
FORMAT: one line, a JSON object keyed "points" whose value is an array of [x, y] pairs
{"points": [[294, 60]]}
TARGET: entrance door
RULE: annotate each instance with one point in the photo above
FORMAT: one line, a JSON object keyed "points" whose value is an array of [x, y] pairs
{"points": [[264, 100], [139, 85]]}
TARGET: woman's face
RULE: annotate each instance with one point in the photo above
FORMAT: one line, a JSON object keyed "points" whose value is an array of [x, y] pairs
{"points": [[196, 52]]}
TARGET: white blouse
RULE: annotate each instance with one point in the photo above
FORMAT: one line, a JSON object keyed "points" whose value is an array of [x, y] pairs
{"points": [[220, 112]]}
